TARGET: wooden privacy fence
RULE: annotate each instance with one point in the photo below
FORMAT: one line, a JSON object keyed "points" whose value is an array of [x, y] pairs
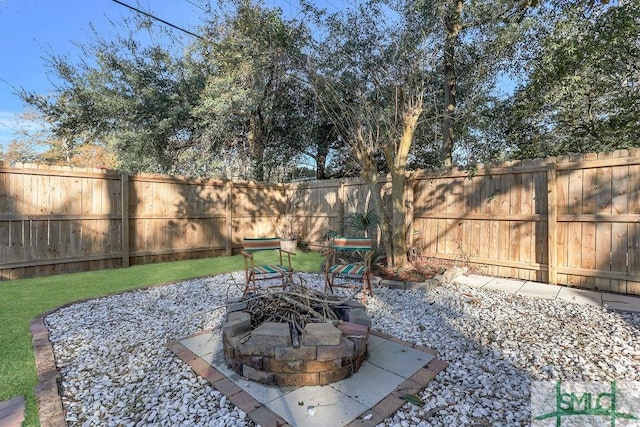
{"points": [[571, 220], [58, 220]]}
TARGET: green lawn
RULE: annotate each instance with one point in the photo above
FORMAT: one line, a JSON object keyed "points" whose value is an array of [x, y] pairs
{"points": [[22, 300]]}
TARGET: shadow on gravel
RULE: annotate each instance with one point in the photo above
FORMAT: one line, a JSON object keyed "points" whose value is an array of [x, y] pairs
{"points": [[496, 344]]}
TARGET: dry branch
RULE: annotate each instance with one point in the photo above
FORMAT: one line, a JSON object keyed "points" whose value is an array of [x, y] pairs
{"points": [[296, 305]]}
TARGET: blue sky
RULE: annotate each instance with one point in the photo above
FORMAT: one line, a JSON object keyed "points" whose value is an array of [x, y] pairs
{"points": [[31, 29]]}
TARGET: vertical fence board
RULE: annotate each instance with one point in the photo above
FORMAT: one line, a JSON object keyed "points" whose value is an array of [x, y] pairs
{"points": [[603, 229], [562, 186], [574, 229], [493, 228], [486, 189], [527, 240], [552, 221], [541, 236], [502, 241], [619, 231], [633, 287], [589, 191]]}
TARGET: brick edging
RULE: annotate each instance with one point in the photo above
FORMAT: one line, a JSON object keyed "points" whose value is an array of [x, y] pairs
{"points": [[260, 414], [12, 412], [50, 410]]}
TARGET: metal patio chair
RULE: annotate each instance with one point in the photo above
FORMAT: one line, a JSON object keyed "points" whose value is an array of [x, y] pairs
{"points": [[348, 270], [255, 272]]}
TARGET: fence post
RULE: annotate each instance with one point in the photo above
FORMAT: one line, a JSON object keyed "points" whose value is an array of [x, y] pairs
{"points": [[552, 221], [124, 192], [229, 218]]}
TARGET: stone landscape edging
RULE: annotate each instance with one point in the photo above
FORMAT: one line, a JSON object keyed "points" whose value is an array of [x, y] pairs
{"points": [[50, 410]]}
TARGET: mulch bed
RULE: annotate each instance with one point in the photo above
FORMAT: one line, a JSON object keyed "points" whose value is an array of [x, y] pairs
{"points": [[421, 269]]}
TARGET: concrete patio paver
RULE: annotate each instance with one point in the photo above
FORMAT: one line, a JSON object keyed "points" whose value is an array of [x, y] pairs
{"points": [[621, 303], [315, 406], [473, 280], [399, 359], [539, 290], [614, 302], [580, 296], [506, 285], [366, 390], [202, 344]]}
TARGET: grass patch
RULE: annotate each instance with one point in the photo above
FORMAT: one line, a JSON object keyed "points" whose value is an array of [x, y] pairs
{"points": [[22, 300]]}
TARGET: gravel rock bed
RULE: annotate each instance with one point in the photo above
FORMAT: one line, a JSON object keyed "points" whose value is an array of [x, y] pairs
{"points": [[116, 369]]}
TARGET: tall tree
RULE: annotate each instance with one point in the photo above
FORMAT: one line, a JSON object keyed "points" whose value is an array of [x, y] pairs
{"points": [[474, 40], [582, 89], [253, 60], [370, 80], [134, 97]]}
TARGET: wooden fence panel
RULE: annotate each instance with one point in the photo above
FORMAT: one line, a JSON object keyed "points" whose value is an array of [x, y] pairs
{"points": [[600, 218], [319, 207], [50, 222], [173, 218], [255, 210], [487, 217]]}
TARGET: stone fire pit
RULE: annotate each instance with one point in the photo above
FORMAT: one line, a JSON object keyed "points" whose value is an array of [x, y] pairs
{"points": [[277, 353]]}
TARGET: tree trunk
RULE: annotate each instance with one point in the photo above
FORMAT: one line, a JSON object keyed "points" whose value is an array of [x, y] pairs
{"points": [[322, 153], [369, 174], [452, 30], [399, 223], [256, 149], [326, 135], [385, 232]]}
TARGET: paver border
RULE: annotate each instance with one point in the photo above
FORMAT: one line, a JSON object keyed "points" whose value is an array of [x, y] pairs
{"points": [[50, 410], [12, 412]]}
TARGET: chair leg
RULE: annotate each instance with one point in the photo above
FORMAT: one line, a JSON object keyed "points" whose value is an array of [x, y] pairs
{"points": [[328, 282], [290, 278], [366, 284], [250, 278]]}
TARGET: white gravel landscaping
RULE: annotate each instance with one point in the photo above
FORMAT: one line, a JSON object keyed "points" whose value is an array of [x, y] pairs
{"points": [[116, 369]]}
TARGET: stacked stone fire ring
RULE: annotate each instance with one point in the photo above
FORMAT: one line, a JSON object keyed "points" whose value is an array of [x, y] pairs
{"points": [[279, 354]]}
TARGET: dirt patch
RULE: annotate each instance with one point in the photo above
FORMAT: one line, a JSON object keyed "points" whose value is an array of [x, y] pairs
{"points": [[421, 269]]}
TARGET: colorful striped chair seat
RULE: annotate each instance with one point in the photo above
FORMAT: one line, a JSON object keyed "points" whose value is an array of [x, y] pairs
{"points": [[362, 269], [351, 269], [269, 271]]}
